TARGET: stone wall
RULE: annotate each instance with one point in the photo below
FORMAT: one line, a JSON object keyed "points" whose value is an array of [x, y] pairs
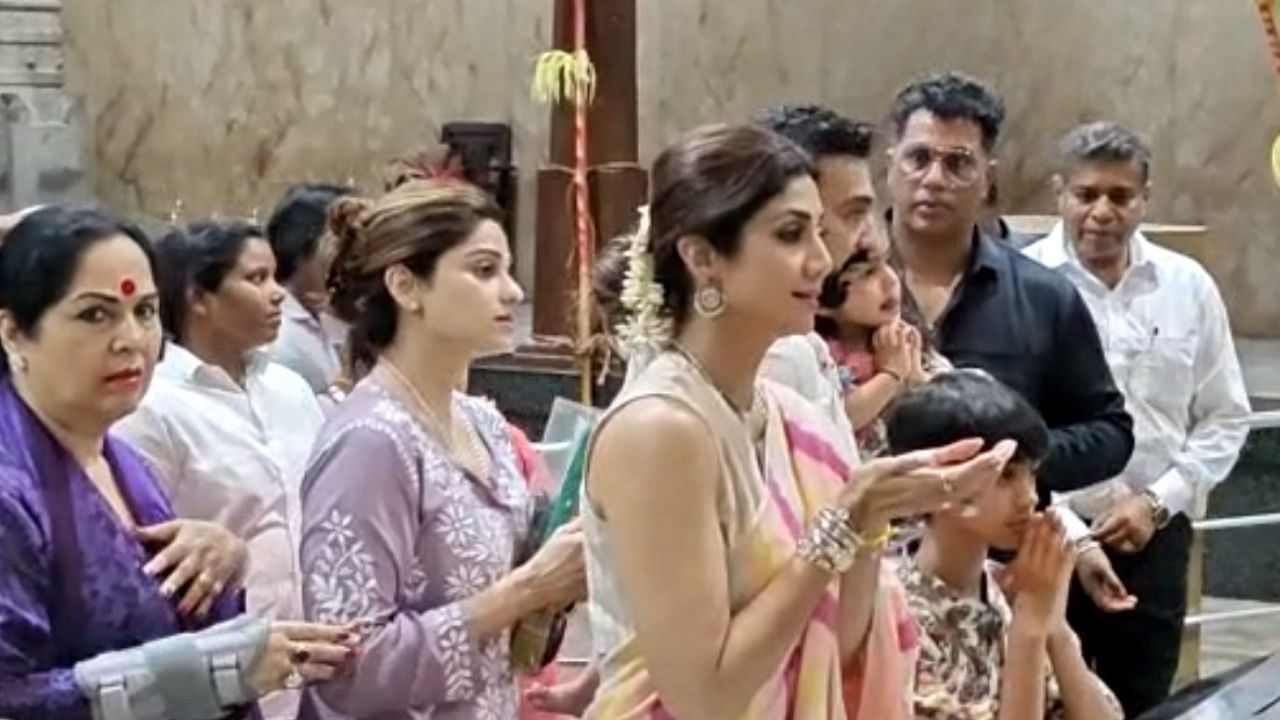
{"points": [[41, 136], [222, 104]]}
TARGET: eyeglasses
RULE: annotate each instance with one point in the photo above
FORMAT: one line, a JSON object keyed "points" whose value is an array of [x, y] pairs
{"points": [[1120, 197], [960, 165]]}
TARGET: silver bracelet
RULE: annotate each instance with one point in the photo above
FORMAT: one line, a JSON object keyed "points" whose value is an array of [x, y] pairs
{"points": [[1086, 544], [830, 544]]}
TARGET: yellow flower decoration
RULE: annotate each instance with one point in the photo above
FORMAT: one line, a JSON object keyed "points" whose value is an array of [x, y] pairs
{"points": [[559, 74]]}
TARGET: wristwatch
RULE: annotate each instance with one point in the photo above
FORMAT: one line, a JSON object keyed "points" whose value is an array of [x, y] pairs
{"points": [[1160, 513]]}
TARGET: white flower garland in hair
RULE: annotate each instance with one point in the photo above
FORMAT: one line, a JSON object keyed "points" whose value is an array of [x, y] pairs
{"points": [[644, 331]]}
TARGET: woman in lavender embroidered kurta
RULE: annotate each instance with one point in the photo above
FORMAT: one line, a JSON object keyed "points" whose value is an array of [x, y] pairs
{"points": [[414, 509], [397, 535]]}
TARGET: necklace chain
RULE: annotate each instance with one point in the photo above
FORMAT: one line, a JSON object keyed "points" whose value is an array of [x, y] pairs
{"points": [[443, 432], [754, 417]]}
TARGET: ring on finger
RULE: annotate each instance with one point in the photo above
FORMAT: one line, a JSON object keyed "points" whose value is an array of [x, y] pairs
{"points": [[948, 485]]}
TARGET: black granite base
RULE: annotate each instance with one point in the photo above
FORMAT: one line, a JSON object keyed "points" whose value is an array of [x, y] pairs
{"points": [[1245, 563], [525, 394]]}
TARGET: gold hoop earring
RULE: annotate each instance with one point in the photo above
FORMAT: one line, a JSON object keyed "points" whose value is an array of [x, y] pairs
{"points": [[709, 302]]}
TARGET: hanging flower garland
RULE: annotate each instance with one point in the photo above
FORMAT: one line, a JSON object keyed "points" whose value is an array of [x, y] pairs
{"points": [[561, 76], [645, 329]]}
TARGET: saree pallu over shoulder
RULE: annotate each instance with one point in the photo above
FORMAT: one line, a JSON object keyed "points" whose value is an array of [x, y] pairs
{"points": [[72, 584], [764, 501]]}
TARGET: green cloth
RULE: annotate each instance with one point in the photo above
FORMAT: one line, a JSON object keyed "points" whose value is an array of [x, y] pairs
{"points": [[564, 507]]}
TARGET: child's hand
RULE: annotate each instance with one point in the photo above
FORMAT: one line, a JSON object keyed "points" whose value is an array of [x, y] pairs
{"points": [[915, 345], [570, 697], [890, 350], [1039, 576]]}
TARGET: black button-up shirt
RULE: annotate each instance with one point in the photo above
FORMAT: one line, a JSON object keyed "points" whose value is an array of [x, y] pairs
{"points": [[1028, 326]]}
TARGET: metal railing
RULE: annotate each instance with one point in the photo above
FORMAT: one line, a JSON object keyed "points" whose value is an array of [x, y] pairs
{"points": [[1195, 622], [1267, 420], [1264, 420]]}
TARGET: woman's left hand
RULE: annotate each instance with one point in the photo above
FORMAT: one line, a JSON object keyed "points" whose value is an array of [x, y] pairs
{"points": [[203, 556]]}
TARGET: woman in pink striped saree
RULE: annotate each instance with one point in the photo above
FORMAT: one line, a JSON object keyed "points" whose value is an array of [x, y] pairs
{"points": [[733, 551]]}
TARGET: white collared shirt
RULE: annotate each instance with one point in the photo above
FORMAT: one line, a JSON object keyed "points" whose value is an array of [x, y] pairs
{"points": [[307, 346], [1167, 338], [234, 455]]}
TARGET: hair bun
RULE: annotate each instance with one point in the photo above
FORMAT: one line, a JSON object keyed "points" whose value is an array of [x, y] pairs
{"points": [[346, 215], [346, 220]]}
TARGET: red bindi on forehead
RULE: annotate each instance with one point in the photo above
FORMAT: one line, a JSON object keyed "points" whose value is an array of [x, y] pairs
{"points": [[128, 287]]}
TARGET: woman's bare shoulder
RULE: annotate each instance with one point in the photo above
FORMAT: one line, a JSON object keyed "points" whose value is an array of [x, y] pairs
{"points": [[658, 438], [664, 415]]}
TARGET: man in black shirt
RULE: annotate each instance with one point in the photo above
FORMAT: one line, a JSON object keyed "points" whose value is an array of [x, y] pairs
{"points": [[988, 305]]}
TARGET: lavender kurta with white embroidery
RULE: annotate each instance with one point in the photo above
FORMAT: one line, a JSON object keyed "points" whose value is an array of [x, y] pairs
{"points": [[395, 533]]}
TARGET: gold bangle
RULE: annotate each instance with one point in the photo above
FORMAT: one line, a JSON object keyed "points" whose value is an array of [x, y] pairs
{"points": [[875, 543]]}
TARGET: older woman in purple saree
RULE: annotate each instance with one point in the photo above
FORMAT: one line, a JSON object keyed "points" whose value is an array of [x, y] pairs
{"points": [[110, 608]]}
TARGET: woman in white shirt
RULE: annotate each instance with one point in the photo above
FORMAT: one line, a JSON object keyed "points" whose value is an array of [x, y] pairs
{"points": [[228, 431]]}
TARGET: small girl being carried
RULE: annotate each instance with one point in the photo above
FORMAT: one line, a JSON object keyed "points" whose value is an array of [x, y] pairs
{"points": [[880, 347]]}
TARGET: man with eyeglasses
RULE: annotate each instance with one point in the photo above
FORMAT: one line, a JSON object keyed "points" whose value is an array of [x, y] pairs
{"points": [[1168, 342], [988, 305]]}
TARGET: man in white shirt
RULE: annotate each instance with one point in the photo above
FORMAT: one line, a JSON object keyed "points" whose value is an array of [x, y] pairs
{"points": [[1168, 341], [308, 343]]}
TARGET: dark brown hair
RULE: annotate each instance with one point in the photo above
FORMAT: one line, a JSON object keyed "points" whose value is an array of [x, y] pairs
{"points": [[607, 277], [710, 183], [413, 226]]}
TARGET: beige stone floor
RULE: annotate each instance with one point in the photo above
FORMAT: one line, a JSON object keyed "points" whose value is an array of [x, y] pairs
{"points": [[1226, 644]]}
